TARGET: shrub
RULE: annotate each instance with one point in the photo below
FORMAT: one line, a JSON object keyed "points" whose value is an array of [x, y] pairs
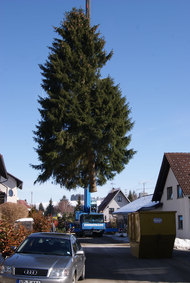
{"points": [[41, 223], [12, 211], [13, 235], [10, 236]]}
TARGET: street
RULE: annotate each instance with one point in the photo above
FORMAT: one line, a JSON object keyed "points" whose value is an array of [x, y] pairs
{"points": [[110, 260]]}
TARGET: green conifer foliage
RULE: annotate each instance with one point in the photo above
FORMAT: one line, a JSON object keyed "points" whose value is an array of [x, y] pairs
{"points": [[82, 135]]}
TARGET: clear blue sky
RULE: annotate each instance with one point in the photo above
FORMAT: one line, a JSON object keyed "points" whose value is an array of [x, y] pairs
{"points": [[151, 62]]}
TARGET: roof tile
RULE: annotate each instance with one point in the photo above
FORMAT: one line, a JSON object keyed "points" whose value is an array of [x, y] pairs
{"points": [[180, 165]]}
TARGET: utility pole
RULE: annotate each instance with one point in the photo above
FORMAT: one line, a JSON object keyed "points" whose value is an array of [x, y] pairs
{"points": [[88, 9], [31, 198], [144, 183]]}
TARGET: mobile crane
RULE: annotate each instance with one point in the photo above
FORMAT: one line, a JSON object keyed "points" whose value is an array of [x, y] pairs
{"points": [[89, 221]]}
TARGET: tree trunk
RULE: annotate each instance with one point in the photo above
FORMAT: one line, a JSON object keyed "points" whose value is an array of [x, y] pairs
{"points": [[92, 173]]}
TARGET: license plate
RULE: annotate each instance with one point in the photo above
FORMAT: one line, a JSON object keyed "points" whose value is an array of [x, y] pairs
{"points": [[28, 281]]}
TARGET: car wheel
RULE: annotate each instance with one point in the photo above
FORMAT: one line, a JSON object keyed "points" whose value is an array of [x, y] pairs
{"points": [[82, 277]]}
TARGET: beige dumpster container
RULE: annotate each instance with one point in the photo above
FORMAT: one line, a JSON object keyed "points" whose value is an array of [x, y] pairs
{"points": [[152, 234]]}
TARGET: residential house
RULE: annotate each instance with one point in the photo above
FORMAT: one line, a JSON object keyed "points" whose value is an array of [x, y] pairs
{"points": [[173, 190], [24, 202], [140, 204], [112, 202], [8, 184]]}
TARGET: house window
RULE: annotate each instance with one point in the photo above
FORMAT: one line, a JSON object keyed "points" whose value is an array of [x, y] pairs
{"points": [[111, 210], [179, 192], [2, 197], [11, 193], [169, 193], [119, 198], [180, 222]]}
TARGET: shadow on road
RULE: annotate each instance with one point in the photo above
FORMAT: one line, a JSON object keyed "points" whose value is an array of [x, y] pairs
{"points": [[104, 239], [117, 263]]}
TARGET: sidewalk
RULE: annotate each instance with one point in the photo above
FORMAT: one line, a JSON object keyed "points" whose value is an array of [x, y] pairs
{"points": [[122, 237]]}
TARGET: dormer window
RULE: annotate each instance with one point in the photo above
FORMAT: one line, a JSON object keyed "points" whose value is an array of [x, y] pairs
{"points": [[169, 193], [179, 192]]}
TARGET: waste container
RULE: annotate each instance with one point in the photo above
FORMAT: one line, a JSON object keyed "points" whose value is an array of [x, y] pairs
{"points": [[152, 234]]}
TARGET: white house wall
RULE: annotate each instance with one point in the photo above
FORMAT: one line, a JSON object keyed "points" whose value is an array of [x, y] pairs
{"points": [[180, 205], [9, 187], [115, 205], [107, 216]]}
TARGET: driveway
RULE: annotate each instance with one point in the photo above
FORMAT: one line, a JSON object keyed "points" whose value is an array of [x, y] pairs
{"points": [[110, 260]]}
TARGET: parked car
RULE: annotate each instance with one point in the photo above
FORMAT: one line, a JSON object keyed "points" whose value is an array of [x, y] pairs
{"points": [[45, 257]]}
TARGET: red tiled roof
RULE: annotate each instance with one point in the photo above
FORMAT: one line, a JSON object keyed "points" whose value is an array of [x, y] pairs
{"points": [[23, 202], [180, 165]]}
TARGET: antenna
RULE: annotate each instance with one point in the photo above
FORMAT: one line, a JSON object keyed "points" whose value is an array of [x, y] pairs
{"points": [[144, 183]]}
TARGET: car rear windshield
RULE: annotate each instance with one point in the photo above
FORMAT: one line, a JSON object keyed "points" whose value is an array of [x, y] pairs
{"points": [[46, 245]]}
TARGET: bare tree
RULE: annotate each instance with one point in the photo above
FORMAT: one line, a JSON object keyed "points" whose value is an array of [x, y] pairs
{"points": [[13, 211], [65, 207]]}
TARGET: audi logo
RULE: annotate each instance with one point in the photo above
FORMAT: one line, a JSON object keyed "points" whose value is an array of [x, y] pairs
{"points": [[31, 272]]}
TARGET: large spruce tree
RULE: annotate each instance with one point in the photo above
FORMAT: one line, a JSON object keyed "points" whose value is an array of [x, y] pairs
{"points": [[83, 134]]}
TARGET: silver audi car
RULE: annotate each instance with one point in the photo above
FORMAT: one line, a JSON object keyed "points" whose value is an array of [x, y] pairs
{"points": [[45, 257]]}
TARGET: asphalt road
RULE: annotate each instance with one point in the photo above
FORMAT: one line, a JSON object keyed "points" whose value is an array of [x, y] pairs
{"points": [[110, 260]]}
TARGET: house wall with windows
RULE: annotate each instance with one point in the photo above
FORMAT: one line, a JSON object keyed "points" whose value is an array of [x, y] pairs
{"points": [[115, 200], [9, 188], [8, 184], [174, 200]]}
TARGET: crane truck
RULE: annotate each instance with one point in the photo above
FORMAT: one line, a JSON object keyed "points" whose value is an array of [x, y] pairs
{"points": [[89, 221]]}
